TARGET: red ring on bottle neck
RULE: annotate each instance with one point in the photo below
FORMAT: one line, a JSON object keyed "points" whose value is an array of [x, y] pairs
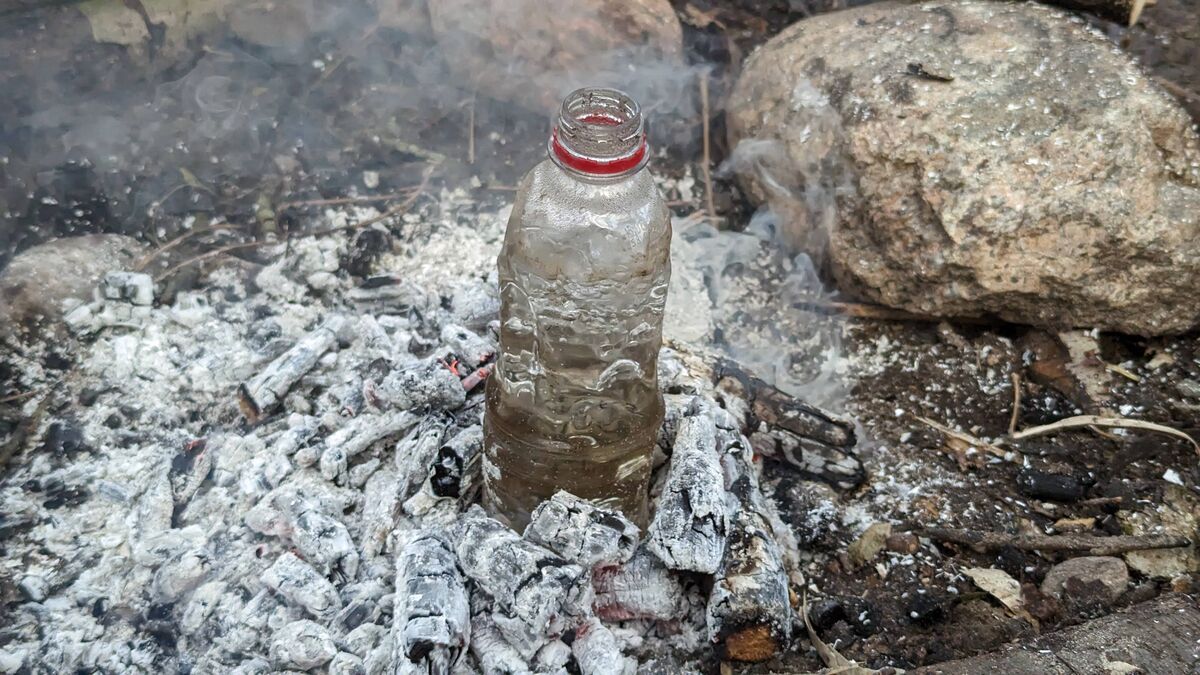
{"points": [[597, 167]]}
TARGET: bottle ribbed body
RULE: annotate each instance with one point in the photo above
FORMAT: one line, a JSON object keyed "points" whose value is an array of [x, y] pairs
{"points": [[574, 403]]}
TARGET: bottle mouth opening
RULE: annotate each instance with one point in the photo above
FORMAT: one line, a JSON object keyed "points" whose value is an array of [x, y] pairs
{"points": [[599, 132]]}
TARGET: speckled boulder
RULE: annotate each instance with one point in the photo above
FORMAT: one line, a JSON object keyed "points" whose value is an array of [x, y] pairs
{"points": [[1003, 158]]}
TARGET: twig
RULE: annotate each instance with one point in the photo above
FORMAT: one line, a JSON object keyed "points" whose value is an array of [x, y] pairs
{"points": [[965, 438], [1111, 422], [1123, 372], [1065, 543], [860, 310], [145, 260], [471, 130], [347, 200], [1178, 91], [707, 166], [1016, 411], [18, 397], [209, 254]]}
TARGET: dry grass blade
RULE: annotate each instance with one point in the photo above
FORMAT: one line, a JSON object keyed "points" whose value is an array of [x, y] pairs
{"points": [[1081, 421], [835, 663], [964, 437]]}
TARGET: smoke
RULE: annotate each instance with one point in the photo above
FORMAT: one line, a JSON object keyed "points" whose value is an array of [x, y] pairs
{"points": [[766, 283], [142, 114]]}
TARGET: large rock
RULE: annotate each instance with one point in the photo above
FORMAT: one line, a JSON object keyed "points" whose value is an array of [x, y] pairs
{"points": [[532, 53], [1049, 182], [37, 281]]}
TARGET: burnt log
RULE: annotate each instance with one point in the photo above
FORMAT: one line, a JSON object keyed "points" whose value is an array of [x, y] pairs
{"points": [[817, 443], [538, 595], [749, 608], [597, 651], [642, 588], [359, 434], [456, 471]]}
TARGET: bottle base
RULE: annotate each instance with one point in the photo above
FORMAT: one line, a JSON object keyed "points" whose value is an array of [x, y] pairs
{"points": [[519, 474]]}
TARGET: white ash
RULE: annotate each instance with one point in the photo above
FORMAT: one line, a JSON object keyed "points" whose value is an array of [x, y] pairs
{"points": [[197, 540]]}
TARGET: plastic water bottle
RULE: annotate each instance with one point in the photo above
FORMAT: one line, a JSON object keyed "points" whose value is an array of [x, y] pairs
{"points": [[574, 402]]}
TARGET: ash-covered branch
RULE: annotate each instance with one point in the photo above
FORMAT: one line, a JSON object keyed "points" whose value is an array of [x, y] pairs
{"points": [[782, 427], [264, 391], [749, 608], [537, 594], [470, 348], [688, 530], [642, 588], [359, 434], [581, 532], [493, 652], [432, 619], [416, 452], [426, 384], [456, 471]]}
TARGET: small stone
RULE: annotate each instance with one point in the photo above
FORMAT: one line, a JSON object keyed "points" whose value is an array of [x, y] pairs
{"points": [[867, 546], [1054, 487], [903, 542], [34, 587], [1111, 573]]}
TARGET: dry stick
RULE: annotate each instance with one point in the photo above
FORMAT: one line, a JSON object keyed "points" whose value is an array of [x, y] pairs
{"points": [[316, 233], [707, 167], [145, 260], [1066, 543], [1176, 89], [471, 130], [1095, 420], [860, 310], [1016, 411]]}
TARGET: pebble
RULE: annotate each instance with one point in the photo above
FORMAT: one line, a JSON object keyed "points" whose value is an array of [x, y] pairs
{"points": [[1110, 573]]}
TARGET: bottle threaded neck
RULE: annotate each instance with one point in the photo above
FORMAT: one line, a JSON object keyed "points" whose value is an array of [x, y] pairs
{"points": [[599, 133]]}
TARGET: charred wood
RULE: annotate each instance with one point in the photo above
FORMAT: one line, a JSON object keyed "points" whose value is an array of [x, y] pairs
{"points": [[537, 594], [688, 530], [264, 391], [749, 608], [642, 588], [581, 532]]}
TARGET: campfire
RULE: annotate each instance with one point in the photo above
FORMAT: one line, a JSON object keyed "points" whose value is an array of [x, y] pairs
{"points": [[252, 308]]}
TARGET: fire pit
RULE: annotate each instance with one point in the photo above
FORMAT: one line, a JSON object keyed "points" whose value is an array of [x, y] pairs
{"points": [[250, 311]]}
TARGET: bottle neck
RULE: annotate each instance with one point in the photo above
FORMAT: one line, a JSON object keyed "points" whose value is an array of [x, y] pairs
{"points": [[599, 136]]}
